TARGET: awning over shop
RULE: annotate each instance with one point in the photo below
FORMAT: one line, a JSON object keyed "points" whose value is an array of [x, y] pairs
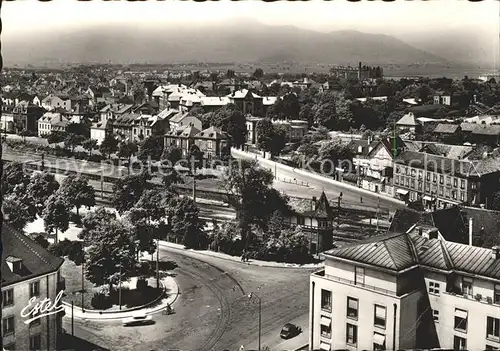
{"points": [[428, 198], [402, 191], [326, 321]]}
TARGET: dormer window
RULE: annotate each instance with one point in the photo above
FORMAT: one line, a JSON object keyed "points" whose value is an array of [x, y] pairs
{"points": [[15, 264]]}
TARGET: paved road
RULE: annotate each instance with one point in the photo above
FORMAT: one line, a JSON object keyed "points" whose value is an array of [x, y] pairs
{"points": [[213, 311], [315, 186]]}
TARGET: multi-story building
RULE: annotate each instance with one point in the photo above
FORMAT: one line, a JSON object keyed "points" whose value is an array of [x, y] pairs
{"points": [[213, 143], [26, 116], [442, 181], [182, 119], [182, 138], [360, 73], [28, 271], [247, 102], [409, 290], [51, 122]]}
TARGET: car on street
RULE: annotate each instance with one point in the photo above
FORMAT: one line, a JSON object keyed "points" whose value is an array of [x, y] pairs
{"points": [[137, 320], [290, 330]]}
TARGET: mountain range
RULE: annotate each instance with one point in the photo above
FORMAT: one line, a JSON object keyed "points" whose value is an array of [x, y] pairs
{"points": [[235, 41]]}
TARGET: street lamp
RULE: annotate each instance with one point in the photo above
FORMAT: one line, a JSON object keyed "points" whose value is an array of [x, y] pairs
{"points": [[260, 313]]}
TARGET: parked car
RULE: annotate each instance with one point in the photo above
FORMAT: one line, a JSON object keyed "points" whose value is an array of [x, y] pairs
{"points": [[290, 330], [137, 320]]}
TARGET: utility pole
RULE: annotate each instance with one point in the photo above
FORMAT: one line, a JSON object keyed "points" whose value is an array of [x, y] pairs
{"points": [[120, 287], [43, 161], [72, 318], [157, 263], [102, 183], [83, 291], [378, 207]]}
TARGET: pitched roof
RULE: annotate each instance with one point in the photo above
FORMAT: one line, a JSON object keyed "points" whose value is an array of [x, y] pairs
{"points": [[438, 163], [399, 251], [179, 117], [240, 94], [214, 101], [212, 133], [407, 120], [445, 128], [484, 129], [36, 260]]}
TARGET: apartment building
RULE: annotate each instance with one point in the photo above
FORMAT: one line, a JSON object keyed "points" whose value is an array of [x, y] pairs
{"points": [[410, 290], [441, 181], [28, 271]]}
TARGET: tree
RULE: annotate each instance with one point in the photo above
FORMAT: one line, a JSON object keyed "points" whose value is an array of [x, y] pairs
{"points": [[335, 151], [195, 158], [77, 192], [82, 129], [56, 214], [73, 140], [271, 138], [230, 73], [16, 212], [109, 144], [40, 188], [172, 154], [495, 204], [259, 73], [56, 137], [325, 115], [291, 106], [250, 191], [112, 251], [13, 174], [233, 122], [295, 245], [171, 177], [186, 224], [277, 224], [92, 220], [128, 190], [151, 147], [89, 145], [126, 150]]}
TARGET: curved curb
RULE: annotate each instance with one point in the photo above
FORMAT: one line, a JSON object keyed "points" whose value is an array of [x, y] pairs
{"points": [[111, 315], [285, 266]]}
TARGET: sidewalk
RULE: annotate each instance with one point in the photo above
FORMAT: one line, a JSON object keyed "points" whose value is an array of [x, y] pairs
{"points": [[238, 258], [169, 284]]}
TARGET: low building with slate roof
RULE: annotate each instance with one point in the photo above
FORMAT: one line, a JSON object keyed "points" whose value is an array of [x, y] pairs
{"points": [[28, 271], [411, 290]]}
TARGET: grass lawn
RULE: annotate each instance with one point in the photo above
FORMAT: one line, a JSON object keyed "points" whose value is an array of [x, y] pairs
{"points": [[131, 297]]}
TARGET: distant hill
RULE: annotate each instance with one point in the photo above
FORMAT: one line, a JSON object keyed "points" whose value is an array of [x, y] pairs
{"points": [[230, 42]]}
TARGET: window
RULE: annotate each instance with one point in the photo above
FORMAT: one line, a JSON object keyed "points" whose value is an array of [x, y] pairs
{"points": [[427, 187], [10, 347], [434, 288], [454, 194], [413, 172], [462, 184], [434, 177], [352, 308], [209, 144], [420, 175], [467, 286], [35, 289], [326, 327], [8, 297], [440, 191], [36, 321], [460, 320], [378, 341], [448, 181], [326, 300], [428, 176], [496, 294], [435, 315], [447, 192], [36, 342], [441, 179], [490, 347], [459, 343], [8, 325], [407, 182], [462, 196], [135, 131], [359, 276], [455, 182], [352, 334], [413, 183], [398, 170], [380, 316], [419, 185], [493, 328], [396, 180]]}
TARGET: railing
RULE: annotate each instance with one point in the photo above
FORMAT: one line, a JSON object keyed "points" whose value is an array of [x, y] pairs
{"points": [[351, 282]]}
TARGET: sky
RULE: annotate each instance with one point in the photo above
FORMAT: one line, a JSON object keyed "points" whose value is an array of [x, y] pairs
{"points": [[397, 17]]}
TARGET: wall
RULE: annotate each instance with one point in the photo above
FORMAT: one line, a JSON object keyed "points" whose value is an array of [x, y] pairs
{"points": [[48, 325]]}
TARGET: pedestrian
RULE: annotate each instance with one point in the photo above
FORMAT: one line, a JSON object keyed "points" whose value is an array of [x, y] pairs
{"points": [[361, 199]]}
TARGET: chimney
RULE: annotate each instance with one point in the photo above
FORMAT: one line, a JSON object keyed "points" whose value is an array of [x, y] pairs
{"points": [[495, 252], [470, 231], [313, 203], [420, 231]]}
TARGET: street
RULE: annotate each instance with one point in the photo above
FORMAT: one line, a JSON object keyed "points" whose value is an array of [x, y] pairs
{"points": [[213, 311]]}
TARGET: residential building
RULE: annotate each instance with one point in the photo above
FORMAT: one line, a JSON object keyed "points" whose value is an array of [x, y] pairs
{"points": [[183, 119], [442, 181], [211, 104], [28, 271], [114, 111], [375, 163], [214, 143], [267, 102], [145, 126], [52, 101], [7, 124], [122, 126], [189, 99], [251, 124], [295, 129], [449, 133], [182, 138], [26, 116], [404, 291], [407, 122], [316, 217], [247, 102], [100, 129], [52, 122]]}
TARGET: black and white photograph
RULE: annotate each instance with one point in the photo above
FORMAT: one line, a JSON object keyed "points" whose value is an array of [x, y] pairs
{"points": [[250, 175]]}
